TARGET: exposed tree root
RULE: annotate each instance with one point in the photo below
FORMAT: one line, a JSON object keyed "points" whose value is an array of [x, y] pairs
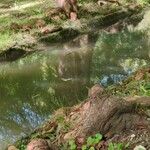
{"points": [[109, 115]]}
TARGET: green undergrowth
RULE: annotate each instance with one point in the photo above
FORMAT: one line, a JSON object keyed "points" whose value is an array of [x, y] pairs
{"points": [[94, 142], [136, 85], [6, 39], [12, 1], [20, 21]]}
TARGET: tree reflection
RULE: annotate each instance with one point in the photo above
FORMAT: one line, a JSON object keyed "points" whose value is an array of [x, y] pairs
{"points": [[31, 89], [119, 53]]}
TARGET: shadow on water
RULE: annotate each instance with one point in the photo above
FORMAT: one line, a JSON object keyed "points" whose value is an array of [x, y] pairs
{"points": [[33, 87]]}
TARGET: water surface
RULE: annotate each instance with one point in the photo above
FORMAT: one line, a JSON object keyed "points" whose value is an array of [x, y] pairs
{"points": [[33, 87]]}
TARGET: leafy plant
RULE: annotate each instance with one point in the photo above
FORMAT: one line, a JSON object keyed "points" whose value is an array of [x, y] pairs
{"points": [[84, 147], [117, 146], [22, 147], [145, 89], [93, 140], [92, 148], [90, 144], [72, 145]]}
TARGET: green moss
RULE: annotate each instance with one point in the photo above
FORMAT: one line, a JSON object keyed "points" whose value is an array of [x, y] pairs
{"points": [[91, 143]]}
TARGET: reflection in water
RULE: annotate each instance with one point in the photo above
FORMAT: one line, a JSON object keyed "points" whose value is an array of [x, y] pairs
{"points": [[33, 87], [118, 55]]}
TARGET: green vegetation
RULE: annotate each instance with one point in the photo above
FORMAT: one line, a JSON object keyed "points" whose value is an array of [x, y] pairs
{"points": [[145, 89], [92, 142], [143, 2], [117, 146], [137, 85], [72, 145], [19, 20], [6, 39], [25, 19], [22, 147]]}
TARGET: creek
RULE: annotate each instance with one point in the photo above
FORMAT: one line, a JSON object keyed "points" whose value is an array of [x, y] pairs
{"points": [[33, 87]]}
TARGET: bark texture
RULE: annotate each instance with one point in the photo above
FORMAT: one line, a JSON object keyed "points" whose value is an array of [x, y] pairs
{"points": [[109, 115]]}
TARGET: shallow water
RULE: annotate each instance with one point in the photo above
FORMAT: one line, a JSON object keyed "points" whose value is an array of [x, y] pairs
{"points": [[33, 87], [30, 89]]}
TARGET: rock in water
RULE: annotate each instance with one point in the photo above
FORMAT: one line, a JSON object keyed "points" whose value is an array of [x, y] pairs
{"points": [[38, 144], [11, 147]]}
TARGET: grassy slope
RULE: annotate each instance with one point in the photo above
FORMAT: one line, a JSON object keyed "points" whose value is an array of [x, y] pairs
{"points": [[11, 20]]}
